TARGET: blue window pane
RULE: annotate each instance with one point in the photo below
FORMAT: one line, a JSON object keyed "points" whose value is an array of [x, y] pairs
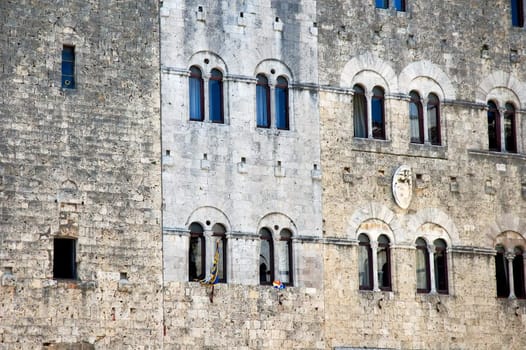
{"points": [[399, 5], [262, 106], [378, 118], [216, 103], [517, 13], [382, 4], [196, 110], [282, 120], [68, 67]]}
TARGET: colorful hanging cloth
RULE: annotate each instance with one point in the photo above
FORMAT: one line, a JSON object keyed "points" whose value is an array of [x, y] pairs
{"points": [[213, 278]]}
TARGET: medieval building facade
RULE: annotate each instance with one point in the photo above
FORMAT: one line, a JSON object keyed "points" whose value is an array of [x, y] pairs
{"points": [[365, 157]]}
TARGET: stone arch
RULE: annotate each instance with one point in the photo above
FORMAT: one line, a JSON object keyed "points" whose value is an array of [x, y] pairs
{"points": [[500, 79], [429, 74], [273, 219], [280, 68], [211, 214], [510, 240], [68, 192], [214, 61], [431, 220], [374, 228], [504, 223], [375, 211], [369, 65]]}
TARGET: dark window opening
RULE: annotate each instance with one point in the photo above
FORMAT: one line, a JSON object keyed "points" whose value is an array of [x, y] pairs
{"points": [[64, 258], [215, 91], [517, 13], [382, 4], [196, 254], [286, 266], [266, 258], [502, 273], [423, 279], [383, 259], [378, 113], [399, 5], [282, 104], [365, 264], [196, 94], [68, 67], [510, 139], [416, 118], [220, 234], [441, 282], [518, 274], [493, 127], [433, 119], [262, 102], [359, 112]]}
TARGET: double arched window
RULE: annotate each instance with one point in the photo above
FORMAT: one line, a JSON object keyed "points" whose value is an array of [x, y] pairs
{"points": [[424, 128], [197, 95], [197, 253], [431, 277], [266, 257], [199, 262], [374, 263], [509, 270], [502, 130], [369, 118], [264, 106]]}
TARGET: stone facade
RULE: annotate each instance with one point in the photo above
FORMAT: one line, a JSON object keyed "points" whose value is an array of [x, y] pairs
{"points": [[82, 164], [343, 207]]}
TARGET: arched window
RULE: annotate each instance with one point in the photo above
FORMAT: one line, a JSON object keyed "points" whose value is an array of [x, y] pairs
{"points": [[215, 93], [383, 260], [285, 268], [359, 112], [266, 258], [196, 90], [262, 101], [441, 281], [219, 233], [510, 138], [365, 263], [493, 127], [378, 113], [433, 119], [382, 4], [423, 278], [416, 118], [399, 5], [196, 254], [502, 273], [518, 273], [517, 13], [282, 103]]}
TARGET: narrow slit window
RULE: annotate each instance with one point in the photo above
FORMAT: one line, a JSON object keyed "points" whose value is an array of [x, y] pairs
{"points": [[215, 90], [382, 4], [441, 280], [510, 138], [282, 104], [68, 67], [383, 259], [517, 13], [285, 258], [196, 94], [399, 5], [493, 127], [502, 273], [423, 279], [365, 263], [64, 258], [220, 235], [518, 273]]}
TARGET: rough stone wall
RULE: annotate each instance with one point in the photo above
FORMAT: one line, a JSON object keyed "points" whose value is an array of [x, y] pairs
{"points": [[83, 164], [467, 53]]}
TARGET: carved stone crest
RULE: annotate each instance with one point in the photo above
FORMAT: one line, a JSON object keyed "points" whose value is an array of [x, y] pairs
{"points": [[403, 186]]}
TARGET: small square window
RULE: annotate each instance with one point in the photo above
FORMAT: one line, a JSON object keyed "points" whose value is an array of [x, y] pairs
{"points": [[64, 258]]}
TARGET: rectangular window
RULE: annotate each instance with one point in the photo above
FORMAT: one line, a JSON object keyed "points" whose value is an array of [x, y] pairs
{"points": [[68, 67], [399, 5], [517, 13], [262, 105], [282, 118], [64, 258]]}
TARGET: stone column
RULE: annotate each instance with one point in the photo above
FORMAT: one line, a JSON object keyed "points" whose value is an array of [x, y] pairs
{"points": [[210, 249], [374, 258], [431, 252], [510, 256], [369, 97], [426, 136]]}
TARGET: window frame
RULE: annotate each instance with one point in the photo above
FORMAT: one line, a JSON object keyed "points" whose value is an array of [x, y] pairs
{"points": [[510, 113], [381, 4], [443, 272], [68, 61], [211, 80], [290, 259], [423, 248], [279, 110], [518, 273], [399, 5], [517, 13], [360, 97], [265, 86], [381, 99], [493, 107], [221, 235], [67, 256], [436, 105], [362, 244], [270, 241], [199, 234], [502, 273], [193, 76], [416, 100], [385, 245]]}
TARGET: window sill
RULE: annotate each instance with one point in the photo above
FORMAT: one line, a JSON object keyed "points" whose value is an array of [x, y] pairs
{"points": [[273, 131], [493, 154], [427, 150], [70, 284], [371, 145]]}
